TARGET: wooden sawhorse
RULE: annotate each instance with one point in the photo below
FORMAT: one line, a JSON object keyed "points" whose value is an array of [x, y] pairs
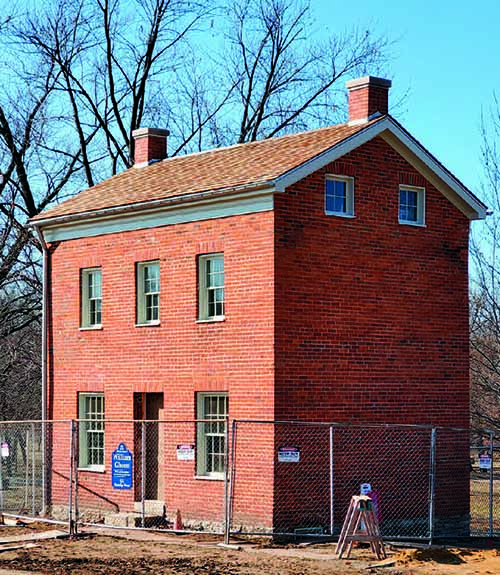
{"points": [[360, 524]]}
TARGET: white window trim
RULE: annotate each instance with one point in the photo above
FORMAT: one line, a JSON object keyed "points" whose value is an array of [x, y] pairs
{"points": [[420, 223], [141, 296], [85, 307], [201, 463], [82, 435], [203, 316], [349, 181]]}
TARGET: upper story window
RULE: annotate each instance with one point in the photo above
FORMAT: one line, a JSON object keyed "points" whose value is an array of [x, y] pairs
{"points": [[411, 205], [339, 195], [211, 287], [148, 293], [91, 306]]}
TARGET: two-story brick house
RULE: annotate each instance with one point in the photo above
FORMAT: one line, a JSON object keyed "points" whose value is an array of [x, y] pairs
{"points": [[319, 276]]}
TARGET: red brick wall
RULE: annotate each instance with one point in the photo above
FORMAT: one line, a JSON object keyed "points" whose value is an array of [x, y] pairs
{"points": [[371, 315], [372, 321], [179, 357]]}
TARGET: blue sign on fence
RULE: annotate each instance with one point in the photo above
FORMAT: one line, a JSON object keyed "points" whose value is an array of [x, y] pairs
{"points": [[121, 468]]}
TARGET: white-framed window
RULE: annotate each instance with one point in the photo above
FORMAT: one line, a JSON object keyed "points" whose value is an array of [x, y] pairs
{"points": [[411, 205], [211, 440], [211, 287], [148, 293], [91, 302], [339, 195], [91, 431]]}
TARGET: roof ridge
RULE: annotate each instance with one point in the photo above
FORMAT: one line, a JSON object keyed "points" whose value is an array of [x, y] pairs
{"points": [[254, 143], [128, 171]]}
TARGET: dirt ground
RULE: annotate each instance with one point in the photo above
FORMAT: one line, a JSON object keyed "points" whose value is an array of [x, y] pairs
{"points": [[167, 555]]}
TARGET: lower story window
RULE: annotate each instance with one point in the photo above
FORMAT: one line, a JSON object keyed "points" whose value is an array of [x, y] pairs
{"points": [[212, 434], [91, 431]]}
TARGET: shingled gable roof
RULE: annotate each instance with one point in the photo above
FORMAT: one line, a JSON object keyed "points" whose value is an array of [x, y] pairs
{"points": [[273, 164]]}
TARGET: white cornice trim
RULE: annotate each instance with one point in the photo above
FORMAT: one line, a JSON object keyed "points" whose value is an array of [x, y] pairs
{"points": [[410, 149], [168, 201], [435, 172], [205, 209], [329, 155]]}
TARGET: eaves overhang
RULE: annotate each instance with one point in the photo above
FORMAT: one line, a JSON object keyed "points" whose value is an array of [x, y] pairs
{"points": [[240, 199], [127, 209], [204, 207]]}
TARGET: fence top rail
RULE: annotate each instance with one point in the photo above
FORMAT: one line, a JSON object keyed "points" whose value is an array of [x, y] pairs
{"points": [[68, 421], [223, 420], [334, 424], [357, 425], [38, 421]]}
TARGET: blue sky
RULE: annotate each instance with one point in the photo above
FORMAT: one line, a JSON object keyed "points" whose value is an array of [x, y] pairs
{"points": [[445, 59], [446, 55]]}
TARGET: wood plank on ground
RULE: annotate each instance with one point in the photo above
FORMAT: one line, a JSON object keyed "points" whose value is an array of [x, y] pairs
{"points": [[53, 534]]}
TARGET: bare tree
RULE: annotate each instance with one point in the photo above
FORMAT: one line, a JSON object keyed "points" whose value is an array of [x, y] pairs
{"points": [[81, 75], [19, 201], [485, 288], [20, 373], [76, 86], [110, 56], [284, 78], [485, 361]]}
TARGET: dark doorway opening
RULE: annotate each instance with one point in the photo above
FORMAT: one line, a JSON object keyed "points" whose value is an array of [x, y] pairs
{"points": [[148, 409]]}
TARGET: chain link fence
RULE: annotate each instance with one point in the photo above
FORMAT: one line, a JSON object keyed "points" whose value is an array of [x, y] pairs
{"points": [[485, 483], [26, 456], [310, 472], [251, 477], [168, 475]]}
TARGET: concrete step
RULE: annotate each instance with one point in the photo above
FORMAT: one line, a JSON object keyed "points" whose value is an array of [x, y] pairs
{"points": [[152, 507]]}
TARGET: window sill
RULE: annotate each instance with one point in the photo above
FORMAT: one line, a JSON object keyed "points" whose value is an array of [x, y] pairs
{"points": [[414, 224], [212, 320], [210, 477], [340, 215], [100, 469], [150, 324], [91, 327]]}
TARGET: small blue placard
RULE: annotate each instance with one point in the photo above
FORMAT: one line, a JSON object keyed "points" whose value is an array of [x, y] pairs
{"points": [[121, 468]]}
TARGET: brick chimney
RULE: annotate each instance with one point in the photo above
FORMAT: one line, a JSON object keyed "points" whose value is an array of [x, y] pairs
{"points": [[368, 97], [150, 145]]}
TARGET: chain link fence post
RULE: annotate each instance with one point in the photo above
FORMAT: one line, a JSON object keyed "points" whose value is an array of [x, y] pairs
{"points": [[71, 457], [226, 482], [44, 468], [491, 485], [230, 498], [143, 473], [33, 477], [76, 458], [432, 484]]}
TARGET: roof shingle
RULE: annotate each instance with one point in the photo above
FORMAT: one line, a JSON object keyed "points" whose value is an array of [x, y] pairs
{"points": [[236, 166]]}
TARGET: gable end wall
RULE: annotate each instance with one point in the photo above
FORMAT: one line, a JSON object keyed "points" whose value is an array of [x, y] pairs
{"points": [[371, 315]]}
